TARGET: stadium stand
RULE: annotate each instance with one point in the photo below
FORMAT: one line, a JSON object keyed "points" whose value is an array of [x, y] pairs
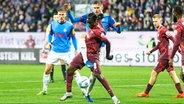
{"points": [[35, 15]]}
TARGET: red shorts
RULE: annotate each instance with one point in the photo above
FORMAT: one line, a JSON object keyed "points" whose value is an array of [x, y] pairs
{"points": [[162, 65], [78, 62]]}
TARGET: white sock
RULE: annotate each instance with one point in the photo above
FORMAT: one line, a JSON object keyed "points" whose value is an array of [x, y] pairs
{"points": [[45, 81], [76, 75], [114, 98], [92, 79]]}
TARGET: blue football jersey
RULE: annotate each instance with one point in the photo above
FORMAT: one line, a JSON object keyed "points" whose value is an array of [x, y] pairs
{"points": [[62, 32]]}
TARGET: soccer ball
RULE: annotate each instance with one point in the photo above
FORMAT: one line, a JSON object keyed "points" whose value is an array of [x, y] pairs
{"points": [[83, 82]]}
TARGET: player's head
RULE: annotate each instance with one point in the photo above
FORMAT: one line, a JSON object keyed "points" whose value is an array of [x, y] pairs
{"points": [[92, 20], [55, 16], [98, 7], [157, 20], [177, 13], [61, 15]]}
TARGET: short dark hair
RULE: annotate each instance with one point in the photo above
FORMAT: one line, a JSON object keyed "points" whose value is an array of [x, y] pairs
{"points": [[97, 2], [178, 10], [92, 16]]}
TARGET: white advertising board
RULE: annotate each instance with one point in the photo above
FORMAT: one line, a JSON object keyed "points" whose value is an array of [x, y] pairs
{"points": [[128, 48]]}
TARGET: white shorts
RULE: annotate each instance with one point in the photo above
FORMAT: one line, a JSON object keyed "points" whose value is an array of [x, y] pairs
{"points": [[59, 58]]}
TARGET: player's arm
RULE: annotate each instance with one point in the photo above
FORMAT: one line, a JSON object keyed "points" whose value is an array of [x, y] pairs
{"points": [[46, 40], [50, 37], [72, 18], [152, 50], [114, 25], [169, 36], [176, 42], [108, 46], [83, 51], [74, 40]]}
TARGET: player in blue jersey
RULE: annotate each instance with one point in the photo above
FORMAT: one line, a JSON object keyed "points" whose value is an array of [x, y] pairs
{"points": [[63, 66], [62, 31], [106, 22]]}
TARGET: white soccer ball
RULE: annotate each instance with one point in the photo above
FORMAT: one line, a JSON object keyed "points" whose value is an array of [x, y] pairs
{"points": [[83, 82]]}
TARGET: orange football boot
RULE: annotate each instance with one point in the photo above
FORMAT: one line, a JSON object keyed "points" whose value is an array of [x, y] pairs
{"points": [[180, 95], [142, 94]]}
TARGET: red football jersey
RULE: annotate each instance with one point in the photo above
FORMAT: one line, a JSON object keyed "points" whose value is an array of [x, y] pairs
{"points": [[179, 37], [163, 43]]}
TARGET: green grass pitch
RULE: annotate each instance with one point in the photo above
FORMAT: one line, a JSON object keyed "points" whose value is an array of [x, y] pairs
{"points": [[19, 84]]}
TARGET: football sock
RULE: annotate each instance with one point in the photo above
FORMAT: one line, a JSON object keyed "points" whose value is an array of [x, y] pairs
{"points": [[63, 68], [77, 75], [106, 85], [92, 80], [52, 74], [45, 81], [178, 87], [114, 98], [148, 88], [69, 79]]}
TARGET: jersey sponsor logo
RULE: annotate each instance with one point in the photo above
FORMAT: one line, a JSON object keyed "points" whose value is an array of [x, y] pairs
{"points": [[59, 34]]}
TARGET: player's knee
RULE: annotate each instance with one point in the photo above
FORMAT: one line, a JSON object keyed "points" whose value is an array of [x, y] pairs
{"points": [[71, 70]]}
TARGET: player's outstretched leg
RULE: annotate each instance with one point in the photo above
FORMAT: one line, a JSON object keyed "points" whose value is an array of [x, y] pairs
{"points": [[69, 77], [106, 85], [92, 80], [77, 77], [45, 84]]}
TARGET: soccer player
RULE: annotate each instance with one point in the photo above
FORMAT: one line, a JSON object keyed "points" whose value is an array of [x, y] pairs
{"points": [[179, 36], [93, 40], [106, 22], [62, 31], [163, 46], [63, 66]]}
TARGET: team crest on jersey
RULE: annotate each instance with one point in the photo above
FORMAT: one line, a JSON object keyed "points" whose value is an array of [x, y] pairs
{"points": [[175, 32], [102, 35], [65, 30]]}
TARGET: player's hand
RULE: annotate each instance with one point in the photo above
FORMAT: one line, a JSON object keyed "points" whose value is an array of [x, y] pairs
{"points": [[43, 50], [50, 46], [170, 62], [118, 24], [110, 57], [148, 53], [67, 6]]}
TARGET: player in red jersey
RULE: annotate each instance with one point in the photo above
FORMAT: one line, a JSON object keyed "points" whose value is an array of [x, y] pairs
{"points": [[179, 37], [93, 40], [163, 59]]}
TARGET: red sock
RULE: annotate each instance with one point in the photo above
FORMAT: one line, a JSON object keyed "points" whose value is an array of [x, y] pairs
{"points": [[69, 83]]}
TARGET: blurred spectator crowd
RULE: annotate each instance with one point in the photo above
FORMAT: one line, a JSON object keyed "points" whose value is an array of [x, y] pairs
{"points": [[35, 15]]}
